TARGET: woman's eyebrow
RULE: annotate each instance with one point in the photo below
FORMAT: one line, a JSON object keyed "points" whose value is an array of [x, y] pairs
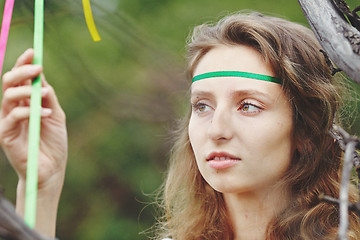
{"points": [[201, 93], [232, 94], [249, 92]]}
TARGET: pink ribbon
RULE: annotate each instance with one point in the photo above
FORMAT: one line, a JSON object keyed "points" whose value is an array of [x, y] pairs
{"points": [[5, 27]]}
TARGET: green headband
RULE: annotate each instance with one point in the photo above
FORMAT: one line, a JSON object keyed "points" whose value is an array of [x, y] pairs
{"points": [[237, 74]]}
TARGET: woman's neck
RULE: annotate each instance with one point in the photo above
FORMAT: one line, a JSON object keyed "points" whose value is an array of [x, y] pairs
{"points": [[250, 212]]}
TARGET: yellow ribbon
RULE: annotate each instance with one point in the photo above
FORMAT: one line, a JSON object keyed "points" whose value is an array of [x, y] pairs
{"points": [[90, 21]]}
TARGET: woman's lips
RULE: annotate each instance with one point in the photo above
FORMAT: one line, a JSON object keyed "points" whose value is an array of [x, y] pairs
{"points": [[222, 160]]}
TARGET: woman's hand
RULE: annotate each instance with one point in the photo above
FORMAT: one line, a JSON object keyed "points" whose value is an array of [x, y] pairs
{"points": [[14, 118]]}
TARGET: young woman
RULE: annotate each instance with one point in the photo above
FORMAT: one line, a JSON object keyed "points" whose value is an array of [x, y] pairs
{"points": [[250, 158], [254, 152]]}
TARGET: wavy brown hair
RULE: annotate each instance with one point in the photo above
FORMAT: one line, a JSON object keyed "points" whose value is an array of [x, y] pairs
{"points": [[193, 210]]}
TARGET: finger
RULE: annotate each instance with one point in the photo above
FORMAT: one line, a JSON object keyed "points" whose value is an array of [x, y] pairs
{"points": [[19, 114], [18, 96], [20, 93], [25, 58], [21, 75], [50, 100], [14, 97]]}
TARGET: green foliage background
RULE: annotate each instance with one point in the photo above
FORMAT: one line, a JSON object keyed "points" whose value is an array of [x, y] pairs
{"points": [[121, 96]]}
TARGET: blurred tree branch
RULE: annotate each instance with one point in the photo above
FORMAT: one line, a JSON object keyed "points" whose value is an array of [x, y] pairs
{"points": [[12, 227]]}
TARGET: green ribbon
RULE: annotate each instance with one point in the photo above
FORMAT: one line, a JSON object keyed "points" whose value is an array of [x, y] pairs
{"points": [[236, 74], [34, 121]]}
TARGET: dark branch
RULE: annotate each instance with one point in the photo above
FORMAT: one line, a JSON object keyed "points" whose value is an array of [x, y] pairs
{"points": [[342, 7], [354, 12], [333, 69], [12, 227]]}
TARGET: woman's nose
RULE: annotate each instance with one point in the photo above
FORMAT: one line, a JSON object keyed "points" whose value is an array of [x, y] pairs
{"points": [[220, 127]]}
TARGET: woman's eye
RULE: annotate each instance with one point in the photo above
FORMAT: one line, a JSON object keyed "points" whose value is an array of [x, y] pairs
{"points": [[249, 108], [201, 107]]}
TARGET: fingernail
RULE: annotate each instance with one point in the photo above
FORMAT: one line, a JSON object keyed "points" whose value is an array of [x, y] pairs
{"points": [[27, 50], [46, 111], [44, 91]]}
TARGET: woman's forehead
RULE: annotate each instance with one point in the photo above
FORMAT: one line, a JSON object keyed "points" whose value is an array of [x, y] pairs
{"points": [[235, 86], [233, 58]]}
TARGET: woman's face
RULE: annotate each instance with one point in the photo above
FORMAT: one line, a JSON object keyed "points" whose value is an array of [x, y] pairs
{"points": [[240, 129]]}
